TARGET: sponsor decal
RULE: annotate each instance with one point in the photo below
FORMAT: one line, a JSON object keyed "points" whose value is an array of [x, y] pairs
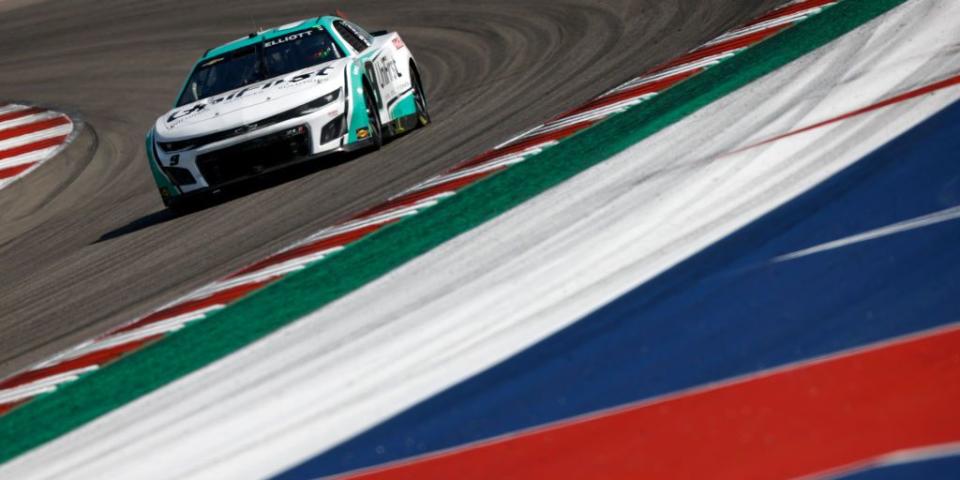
{"points": [[363, 133], [387, 70], [178, 116], [398, 43], [288, 38]]}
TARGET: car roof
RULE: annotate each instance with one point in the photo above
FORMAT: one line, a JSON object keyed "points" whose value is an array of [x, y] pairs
{"points": [[272, 33]]}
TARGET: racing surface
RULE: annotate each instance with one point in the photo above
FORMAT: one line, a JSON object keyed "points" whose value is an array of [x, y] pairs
{"points": [[85, 243]]}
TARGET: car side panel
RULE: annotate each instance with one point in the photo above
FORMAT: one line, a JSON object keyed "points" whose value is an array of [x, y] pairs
{"points": [[356, 111], [405, 106], [386, 66], [391, 65]]}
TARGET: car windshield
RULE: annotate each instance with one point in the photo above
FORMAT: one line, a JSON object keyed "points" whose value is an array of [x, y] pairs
{"points": [[259, 62]]}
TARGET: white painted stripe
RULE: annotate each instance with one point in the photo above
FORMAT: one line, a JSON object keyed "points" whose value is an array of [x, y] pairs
{"points": [[31, 157], [484, 167], [114, 339], [597, 112], [563, 122], [37, 117], [673, 72], [287, 266], [589, 115], [899, 457], [12, 108], [43, 385], [30, 395], [380, 218], [183, 317], [263, 274], [767, 25], [514, 138], [149, 330], [900, 227], [216, 287], [36, 156], [35, 137], [146, 331]]}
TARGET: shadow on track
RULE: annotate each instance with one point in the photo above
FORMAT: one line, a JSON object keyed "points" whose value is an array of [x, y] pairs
{"points": [[233, 192]]}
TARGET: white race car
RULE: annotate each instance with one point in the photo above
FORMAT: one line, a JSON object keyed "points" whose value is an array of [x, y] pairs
{"points": [[282, 96]]}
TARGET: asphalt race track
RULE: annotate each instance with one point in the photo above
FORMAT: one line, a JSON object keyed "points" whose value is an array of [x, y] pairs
{"points": [[85, 243]]}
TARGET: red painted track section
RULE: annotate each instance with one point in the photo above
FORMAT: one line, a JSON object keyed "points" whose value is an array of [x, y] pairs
{"points": [[723, 47], [31, 147], [33, 127], [792, 10], [222, 297], [14, 171], [5, 117], [84, 361], [852, 402], [903, 97]]}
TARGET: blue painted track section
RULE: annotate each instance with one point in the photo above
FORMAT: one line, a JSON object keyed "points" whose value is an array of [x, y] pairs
{"points": [[730, 310], [945, 468]]}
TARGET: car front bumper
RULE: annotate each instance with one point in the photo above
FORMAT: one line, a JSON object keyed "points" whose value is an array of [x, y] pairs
{"points": [[247, 155]]}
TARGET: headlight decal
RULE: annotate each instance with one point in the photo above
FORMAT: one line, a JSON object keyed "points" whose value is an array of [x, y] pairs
{"points": [[317, 104]]}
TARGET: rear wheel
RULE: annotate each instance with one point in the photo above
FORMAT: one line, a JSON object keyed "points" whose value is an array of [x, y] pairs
{"points": [[375, 130], [423, 114]]}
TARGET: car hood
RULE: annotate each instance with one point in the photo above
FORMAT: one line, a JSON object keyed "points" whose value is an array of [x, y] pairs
{"points": [[251, 103]]}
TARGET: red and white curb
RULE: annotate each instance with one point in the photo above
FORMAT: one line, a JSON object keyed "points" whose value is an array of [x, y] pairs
{"points": [[29, 136], [69, 365]]}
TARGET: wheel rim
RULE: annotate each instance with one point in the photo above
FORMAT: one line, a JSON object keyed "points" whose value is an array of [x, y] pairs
{"points": [[420, 99], [372, 117]]}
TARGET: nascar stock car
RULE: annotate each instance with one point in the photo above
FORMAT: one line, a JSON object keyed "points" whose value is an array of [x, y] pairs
{"points": [[283, 96]]}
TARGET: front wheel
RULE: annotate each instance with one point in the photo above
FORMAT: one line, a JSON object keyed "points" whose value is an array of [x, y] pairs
{"points": [[179, 207]]}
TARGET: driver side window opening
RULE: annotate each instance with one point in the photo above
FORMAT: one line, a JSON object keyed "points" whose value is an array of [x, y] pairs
{"points": [[361, 32], [351, 37]]}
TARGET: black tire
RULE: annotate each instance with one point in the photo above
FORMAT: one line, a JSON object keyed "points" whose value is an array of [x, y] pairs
{"points": [[420, 97], [180, 207], [376, 129]]}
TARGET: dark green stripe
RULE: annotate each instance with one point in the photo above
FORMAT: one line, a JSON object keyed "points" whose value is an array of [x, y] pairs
{"points": [[233, 328]]}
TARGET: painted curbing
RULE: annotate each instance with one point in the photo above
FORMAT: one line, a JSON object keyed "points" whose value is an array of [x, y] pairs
{"points": [[271, 308], [29, 136], [197, 304]]}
